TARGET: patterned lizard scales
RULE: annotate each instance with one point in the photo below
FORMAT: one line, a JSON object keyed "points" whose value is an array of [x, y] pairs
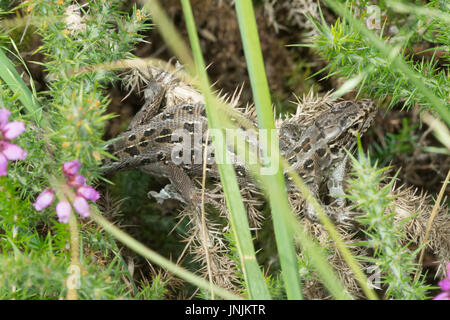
{"points": [[159, 142]]}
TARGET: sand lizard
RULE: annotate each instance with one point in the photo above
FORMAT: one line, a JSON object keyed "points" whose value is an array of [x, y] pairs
{"points": [[316, 152]]}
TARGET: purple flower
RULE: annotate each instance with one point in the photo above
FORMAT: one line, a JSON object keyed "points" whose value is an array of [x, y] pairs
{"points": [[44, 199], [8, 132], [3, 165], [12, 152], [13, 129], [81, 206], [63, 210], [71, 168], [4, 116], [445, 286], [88, 193], [9, 152], [76, 181], [442, 296]]}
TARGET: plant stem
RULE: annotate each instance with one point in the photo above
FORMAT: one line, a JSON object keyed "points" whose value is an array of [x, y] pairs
{"points": [[73, 279]]}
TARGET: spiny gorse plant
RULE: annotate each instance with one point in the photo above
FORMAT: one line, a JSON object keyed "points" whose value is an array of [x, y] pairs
{"points": [[67, 124], [352, 55], [394, 261]]}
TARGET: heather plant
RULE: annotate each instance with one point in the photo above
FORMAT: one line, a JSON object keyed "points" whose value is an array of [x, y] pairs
{"points": [[51, 149], [62, 123]]}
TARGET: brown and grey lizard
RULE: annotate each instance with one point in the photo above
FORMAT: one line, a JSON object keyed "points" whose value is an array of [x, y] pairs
{"points": [[159, 142]]}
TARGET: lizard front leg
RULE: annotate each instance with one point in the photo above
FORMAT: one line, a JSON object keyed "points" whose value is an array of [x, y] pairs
{"points": [[336, 211], [335, 183], [153, 95]]}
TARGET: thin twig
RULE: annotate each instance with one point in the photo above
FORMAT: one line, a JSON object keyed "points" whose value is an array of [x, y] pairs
{"points": [[430, 222]]}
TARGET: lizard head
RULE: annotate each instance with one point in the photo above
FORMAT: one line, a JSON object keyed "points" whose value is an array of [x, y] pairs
{"points": [[347, 117]]}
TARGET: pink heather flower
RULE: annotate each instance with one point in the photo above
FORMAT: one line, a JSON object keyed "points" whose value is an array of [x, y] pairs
{"points": [[445, 286], [4, 116], [88, 193], [13, 129], [9, 152], [76, 181], [12, 152], [3, 165], [71, 168], [63, 210], [9, 131], [44, 199], [442, 296], [81, 206]]}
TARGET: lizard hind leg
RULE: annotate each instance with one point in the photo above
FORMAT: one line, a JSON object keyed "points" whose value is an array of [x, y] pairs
{"points": [[335, 184], [180, 181], [181, 188], [188, 191]]}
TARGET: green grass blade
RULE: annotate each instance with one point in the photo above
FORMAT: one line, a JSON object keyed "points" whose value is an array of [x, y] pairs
{"points": [[234, 202], [11, 77], [254, 278], [277, 197], [177, 45], [154, 257]]}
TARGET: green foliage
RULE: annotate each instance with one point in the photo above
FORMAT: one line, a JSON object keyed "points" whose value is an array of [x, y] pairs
{"points": [[76, 112], [351, 54], [395, 262], [402, 143], [66, 122], [35, 255], [30, 269], [35, 258], [31, 276], [154, 291], [5, 5]]}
